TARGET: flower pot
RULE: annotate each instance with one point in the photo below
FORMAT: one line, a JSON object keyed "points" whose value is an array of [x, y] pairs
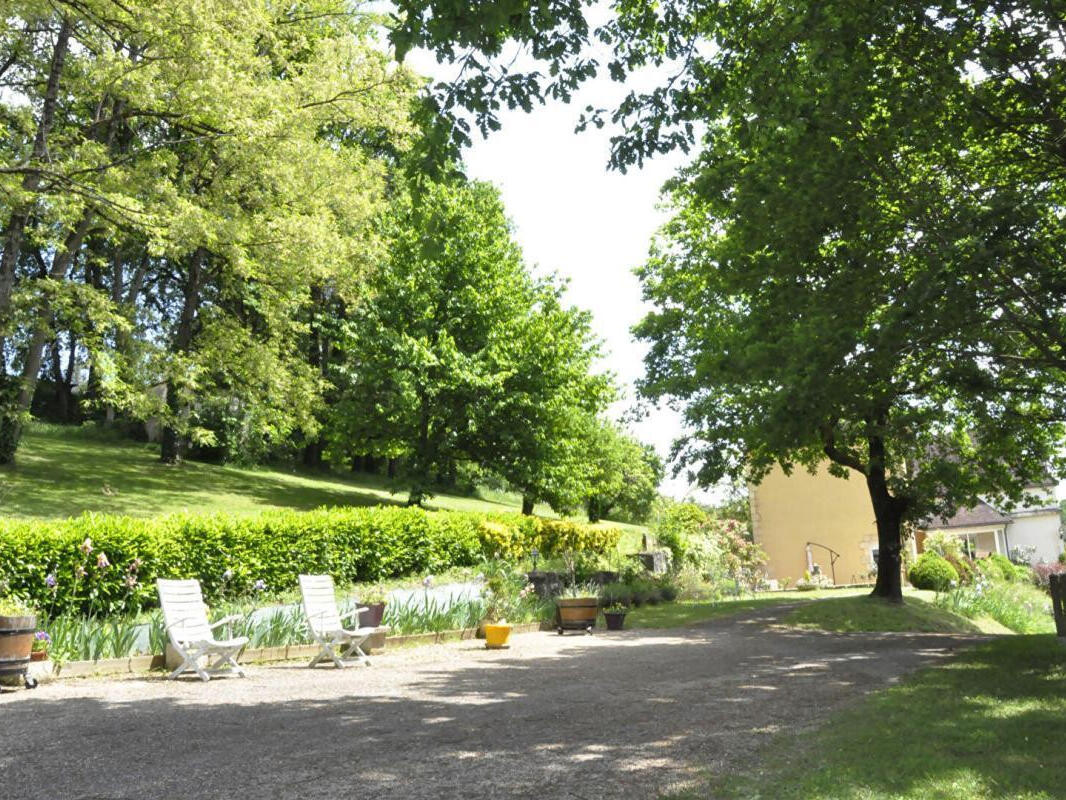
{"points": [[371, 618], [39, 655], [16, 643], [614, 619], [576, 613], [496, 635]]}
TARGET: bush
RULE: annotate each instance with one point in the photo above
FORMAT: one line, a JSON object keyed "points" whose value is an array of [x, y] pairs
{"points": [[1015, 605], [1041, 574], [616, 594], [1000, 568], [105, 565], [932, 571], [964, 567]]}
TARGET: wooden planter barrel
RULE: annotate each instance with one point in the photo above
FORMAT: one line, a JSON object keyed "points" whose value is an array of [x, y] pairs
{"points": [[16, 643], [576, 613]]}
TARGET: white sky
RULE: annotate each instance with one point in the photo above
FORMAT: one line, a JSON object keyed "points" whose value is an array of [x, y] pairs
{"points": [[592, 226]]}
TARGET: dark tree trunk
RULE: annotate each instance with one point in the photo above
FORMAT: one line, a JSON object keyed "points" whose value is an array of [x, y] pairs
{"points": [[313, 454], [172, 438], [528, 501], [889, 512], [393, 467], [593, 508]]}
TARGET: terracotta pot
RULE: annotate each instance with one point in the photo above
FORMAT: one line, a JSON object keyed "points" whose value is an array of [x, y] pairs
{"points": [[39, 655], [496, 635], [371, 618], [16, 643], [576, 613], [614, 619]]}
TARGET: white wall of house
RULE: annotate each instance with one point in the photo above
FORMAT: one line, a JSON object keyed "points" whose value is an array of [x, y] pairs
{"points": [[1036, 529]]}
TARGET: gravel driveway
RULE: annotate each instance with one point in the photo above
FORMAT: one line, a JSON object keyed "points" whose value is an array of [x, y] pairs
{"points": [[619, 715]]}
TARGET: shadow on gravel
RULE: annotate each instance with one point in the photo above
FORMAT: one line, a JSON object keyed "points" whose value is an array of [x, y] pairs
{"points": [[625, 716]]}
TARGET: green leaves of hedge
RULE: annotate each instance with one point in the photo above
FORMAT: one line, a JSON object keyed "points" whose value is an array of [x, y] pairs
{"points": [[107, 564]]}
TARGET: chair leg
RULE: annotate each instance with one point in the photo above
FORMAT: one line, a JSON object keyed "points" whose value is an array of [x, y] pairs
{"points": [[355, 651]]}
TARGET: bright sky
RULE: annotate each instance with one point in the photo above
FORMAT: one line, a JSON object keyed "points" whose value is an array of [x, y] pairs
{"points": [[592, 226]]}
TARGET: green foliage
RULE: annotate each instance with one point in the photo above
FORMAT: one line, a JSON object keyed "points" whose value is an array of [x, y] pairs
{"points": [[943, 544], [511, 537], [623, 475], [102, 565], [1016, 605], [10, 607], [932, 571]]}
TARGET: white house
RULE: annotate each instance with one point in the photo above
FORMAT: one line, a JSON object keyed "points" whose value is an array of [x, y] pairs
{"points": [[1030, 530]]}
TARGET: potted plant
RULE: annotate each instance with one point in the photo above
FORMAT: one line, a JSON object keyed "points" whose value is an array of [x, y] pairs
{"points": [[41, 640], [576, 609], [615, 615], [18, 623], [374, 598], [496, 628]]}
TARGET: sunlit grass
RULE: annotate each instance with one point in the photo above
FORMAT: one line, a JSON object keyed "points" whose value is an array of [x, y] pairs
{"points": [[990, 724]]}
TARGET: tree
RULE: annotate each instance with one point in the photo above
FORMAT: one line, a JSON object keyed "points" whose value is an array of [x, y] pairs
{"points": [[623, 475], [162, 200], [428, 354], [533, 429], [866, 263]]}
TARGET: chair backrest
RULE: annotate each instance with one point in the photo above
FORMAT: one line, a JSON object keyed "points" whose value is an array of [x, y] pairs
{"points": [[184, 611], [320, 603]]}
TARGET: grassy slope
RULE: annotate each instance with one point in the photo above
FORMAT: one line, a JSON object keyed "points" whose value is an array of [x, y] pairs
{"points": [[869, 614], [989, 724], [62, 472]]}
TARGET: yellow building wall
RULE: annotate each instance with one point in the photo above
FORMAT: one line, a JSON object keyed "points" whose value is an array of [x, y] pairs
{"points": [[790, 510]]}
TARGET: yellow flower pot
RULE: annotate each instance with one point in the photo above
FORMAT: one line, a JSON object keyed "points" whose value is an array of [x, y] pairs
{"points": [[496, 635]]}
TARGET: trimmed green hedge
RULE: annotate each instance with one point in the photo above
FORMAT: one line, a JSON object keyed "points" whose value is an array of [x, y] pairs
{"points": [[932, 571], [106, 564]]}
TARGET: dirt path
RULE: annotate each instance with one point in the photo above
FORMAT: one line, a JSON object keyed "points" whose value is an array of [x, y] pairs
{"points": [[616, 715]]}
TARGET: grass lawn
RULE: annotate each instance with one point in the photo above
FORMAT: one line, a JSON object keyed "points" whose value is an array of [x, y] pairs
{"points": [[870, 614], [829, 609], [989, 724], [63, 471]]}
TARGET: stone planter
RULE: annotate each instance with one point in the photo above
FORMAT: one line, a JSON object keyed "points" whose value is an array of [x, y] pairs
{"points": [[371, 618]]}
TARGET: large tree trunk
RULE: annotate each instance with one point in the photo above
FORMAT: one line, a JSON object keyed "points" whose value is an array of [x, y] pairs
{"points": [[889, 512], [528, 501], [172, 438], [61, 261]]}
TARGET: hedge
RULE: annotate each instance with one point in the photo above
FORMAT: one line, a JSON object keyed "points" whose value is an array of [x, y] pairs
{"points": [[932, 571], [106, 564]]}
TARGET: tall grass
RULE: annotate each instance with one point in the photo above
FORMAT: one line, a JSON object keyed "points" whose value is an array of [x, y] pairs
{"points": [[1019, 606]]}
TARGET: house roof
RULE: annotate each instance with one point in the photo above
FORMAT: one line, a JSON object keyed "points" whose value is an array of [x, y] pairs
{"points": [[980, 514]]}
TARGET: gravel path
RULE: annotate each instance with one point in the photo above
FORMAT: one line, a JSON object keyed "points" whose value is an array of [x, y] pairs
{"points": [[619, 715]]}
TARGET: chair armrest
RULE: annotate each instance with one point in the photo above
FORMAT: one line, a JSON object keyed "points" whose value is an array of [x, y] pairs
{"points": [[352, 612], [226, 621]]}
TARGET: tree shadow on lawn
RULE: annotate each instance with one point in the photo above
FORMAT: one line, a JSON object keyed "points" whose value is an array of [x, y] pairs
{"points": [[622, 716], [990, 723]]}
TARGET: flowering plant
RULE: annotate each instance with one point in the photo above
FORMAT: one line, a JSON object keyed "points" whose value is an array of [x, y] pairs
{"points": [[616, 608], [41, 640]]}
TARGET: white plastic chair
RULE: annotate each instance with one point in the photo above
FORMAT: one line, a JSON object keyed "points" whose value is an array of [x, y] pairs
{"points": [[326, 623], [192, 636]]}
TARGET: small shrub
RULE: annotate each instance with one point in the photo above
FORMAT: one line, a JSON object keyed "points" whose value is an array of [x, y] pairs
{"points": [[668, 589], [616, 593], [1042, 574], [964, 567], [943, 544], [810, 583], [997, 567], [932, 571]]}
